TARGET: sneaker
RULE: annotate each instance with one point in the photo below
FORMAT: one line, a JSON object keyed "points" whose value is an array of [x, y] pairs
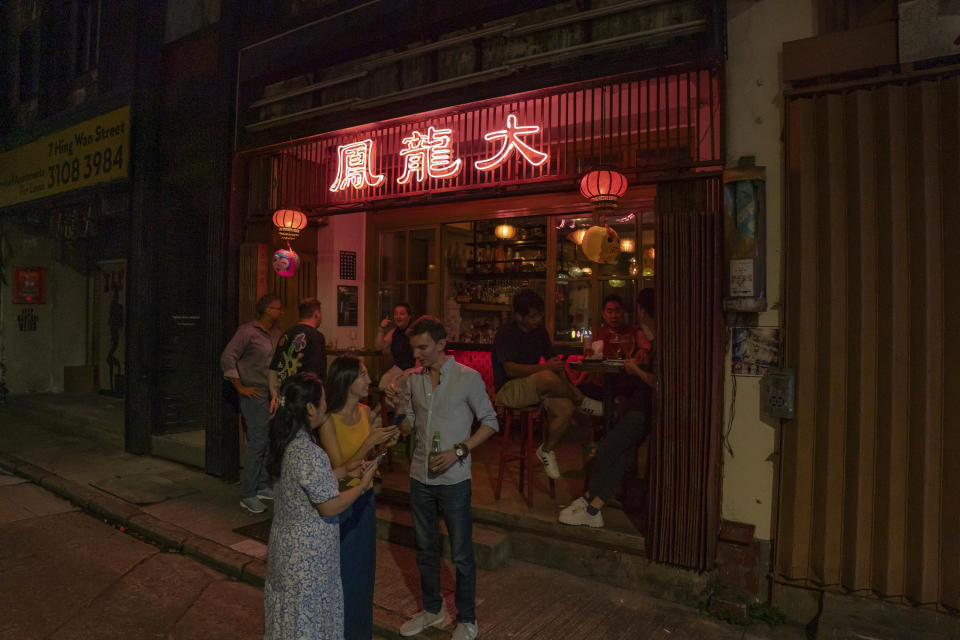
{"points": [[465, 631], [423, 620], [549, 460], [265, 494], [580, 504], [591, 407], [576, 514], [253, 505]]}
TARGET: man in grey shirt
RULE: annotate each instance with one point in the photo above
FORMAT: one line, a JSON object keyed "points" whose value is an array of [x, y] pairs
{"points": [[245, 362], [442, 400]]}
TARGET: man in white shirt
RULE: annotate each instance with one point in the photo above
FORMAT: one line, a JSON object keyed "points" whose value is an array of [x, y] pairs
{"points": [[443, 397]]}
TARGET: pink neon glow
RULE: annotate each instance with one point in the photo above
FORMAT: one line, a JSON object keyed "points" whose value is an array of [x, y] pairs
{"points": [[511, 136], [353, 166], [428, 154]]}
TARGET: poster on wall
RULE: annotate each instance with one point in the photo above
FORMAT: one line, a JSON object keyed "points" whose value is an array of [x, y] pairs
{"points": [[28, 285], [110, 297], [755, 349], [347, 306]]}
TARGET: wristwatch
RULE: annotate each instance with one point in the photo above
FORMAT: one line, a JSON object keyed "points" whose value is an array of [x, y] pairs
{"points": [[461, 450]]}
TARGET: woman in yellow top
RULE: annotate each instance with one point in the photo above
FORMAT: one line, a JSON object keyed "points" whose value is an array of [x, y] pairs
{"points": [[350, 434]]}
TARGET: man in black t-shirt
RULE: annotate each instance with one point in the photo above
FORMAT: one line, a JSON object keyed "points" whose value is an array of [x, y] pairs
{"points": [[301, 349], [521, 380]]}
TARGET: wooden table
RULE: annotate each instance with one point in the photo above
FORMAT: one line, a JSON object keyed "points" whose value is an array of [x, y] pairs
{"points": [[607, 371]]}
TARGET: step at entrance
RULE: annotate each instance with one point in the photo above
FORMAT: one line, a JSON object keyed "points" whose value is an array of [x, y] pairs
{"points": [[603, 555], [491, 545]]}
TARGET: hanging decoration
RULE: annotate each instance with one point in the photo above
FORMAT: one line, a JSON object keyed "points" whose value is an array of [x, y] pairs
{"points": [[601, 244], [285, 262], [603, 188], [289, 221]]}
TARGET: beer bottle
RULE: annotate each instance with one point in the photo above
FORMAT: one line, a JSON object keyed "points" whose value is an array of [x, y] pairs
{"points": [[434, 450]]}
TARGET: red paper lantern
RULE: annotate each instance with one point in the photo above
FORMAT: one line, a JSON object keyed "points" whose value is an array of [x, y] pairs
{"points": [[603, 187], [289, 222]]}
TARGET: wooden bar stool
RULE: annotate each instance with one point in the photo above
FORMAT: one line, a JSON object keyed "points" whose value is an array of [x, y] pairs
{"points": [[526, 418]]}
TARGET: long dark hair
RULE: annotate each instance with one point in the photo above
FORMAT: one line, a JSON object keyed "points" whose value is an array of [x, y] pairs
{"points": [[343, 371], [297, 391]]}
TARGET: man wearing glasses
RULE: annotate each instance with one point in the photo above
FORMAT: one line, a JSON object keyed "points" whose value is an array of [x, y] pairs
{"points": [[245, 363]]}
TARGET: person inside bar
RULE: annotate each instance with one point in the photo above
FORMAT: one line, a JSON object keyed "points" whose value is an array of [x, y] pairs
{"points": [[617, 335], [619, 446], [619, 340], [395, 344], [522, 380]]}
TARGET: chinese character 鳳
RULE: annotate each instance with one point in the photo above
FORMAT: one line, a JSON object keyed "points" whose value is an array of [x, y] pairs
{"points": [[353, 166]]}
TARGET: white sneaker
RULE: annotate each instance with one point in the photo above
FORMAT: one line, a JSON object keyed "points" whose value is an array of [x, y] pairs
{"points": [[422, 620], [549, 460], [576, 514], [591, 407], [253, 505], [265, 494], [580, 504], [465, 631]]}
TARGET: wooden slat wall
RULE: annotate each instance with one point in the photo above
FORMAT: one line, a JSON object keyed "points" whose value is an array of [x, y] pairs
{"points": [[870, 470], [685, 449]]}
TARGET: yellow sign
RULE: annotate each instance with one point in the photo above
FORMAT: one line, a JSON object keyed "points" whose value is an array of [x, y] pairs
{"points": [[85, 154]]}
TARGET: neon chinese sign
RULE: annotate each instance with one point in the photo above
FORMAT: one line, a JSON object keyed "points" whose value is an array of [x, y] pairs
{"points": [[353, 166], [511, 136], [431, 155]]}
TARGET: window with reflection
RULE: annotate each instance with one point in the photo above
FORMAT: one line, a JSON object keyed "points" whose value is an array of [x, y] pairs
{"points": [[572, 304], [408, 271]]}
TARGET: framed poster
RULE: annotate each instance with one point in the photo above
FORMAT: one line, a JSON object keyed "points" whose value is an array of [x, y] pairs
{"points": [[28, 285], [347, 305]]}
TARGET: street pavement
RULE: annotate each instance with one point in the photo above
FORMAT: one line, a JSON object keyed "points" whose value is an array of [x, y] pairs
{"points": [[67, 575], [169, 565]]}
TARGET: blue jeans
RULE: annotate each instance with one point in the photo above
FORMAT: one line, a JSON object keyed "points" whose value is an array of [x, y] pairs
{"points": [[256, 413], [358, 566], [426, 502]]}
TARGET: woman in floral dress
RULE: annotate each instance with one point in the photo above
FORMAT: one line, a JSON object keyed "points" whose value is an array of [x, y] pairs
{"points": [[303, 597]]}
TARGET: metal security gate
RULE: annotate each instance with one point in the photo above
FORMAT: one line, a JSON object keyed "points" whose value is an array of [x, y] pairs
{"points": [[869, 477]]}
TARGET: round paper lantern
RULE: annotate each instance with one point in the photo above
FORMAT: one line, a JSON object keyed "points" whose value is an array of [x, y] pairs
{"points": [[289, 222], [601, 244], [505, 231], [603, 188], [285, 262]]}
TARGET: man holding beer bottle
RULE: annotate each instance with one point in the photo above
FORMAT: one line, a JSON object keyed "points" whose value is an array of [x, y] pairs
{"points": [[441, 401]]}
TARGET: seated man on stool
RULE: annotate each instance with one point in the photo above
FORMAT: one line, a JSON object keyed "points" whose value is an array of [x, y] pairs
{"points": [[618, 447], [521, 380]]}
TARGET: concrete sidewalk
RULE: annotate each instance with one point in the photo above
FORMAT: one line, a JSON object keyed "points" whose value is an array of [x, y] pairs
{"points": [[183, 509]]}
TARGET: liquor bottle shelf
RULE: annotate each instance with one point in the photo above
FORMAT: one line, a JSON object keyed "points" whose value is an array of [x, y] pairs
{"points": [[483, 306], [514, 275], [507, 243]]}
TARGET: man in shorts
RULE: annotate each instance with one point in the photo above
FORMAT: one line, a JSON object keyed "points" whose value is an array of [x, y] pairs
{"points": [[522, 380]]}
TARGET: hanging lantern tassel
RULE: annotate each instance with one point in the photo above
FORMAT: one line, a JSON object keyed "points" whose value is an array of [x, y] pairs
{"points": [[601, 244]]}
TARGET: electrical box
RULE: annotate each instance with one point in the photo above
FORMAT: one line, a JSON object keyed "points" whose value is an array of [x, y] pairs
{"points": [[777, 393]]}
